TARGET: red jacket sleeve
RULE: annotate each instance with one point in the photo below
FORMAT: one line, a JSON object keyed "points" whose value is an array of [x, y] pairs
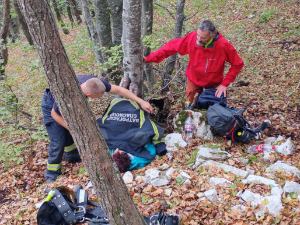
{"points": [[236, 65], [179, 45]]}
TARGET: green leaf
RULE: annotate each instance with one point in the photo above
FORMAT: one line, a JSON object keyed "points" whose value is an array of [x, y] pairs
{"points": [[293, 195], [268, 169], [233, 186], [144, 198], [233, 193], [276, 220], [285, 200], [252, 158]]}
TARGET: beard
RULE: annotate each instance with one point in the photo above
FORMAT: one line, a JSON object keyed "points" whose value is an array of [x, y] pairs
{"points": [[201, 43]]}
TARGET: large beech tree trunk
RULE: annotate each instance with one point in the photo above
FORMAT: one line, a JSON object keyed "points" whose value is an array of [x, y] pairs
{"points": [[3, 38], [132, 43], [22, 22], [177, 34], [147, 23], [110, 188], [116, 7]]}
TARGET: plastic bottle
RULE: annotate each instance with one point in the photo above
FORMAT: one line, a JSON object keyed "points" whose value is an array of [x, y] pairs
{"points": [[255, 149], [188, 129]]}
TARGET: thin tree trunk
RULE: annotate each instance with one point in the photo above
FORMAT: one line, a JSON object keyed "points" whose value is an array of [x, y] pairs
{"points": [[76, 11], [3, 38], [106, 178], [22, 22], [58, 16], [70, 15], [102, 18], [132, 43], [116, 7], [177, 34], [147, 23], [92, 30]]}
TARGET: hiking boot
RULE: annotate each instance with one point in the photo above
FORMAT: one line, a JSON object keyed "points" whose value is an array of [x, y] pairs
{"points": [[125, 81], [50, 180], [133, 87]]}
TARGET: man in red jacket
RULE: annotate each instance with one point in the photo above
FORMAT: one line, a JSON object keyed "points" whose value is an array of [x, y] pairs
{"points": [[208, 51]]}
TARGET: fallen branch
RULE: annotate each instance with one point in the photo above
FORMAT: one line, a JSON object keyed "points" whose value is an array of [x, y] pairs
{"points": [[171, 14], [293, 41], [17, 141], [22, 127], [191, 16], [294, 90], [166, 84]]}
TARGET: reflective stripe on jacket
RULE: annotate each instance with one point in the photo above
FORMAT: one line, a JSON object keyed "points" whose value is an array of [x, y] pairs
{"points": [[127, 127]]}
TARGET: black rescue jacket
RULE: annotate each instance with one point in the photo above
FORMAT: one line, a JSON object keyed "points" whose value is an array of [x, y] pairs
{"points": [[126, 126]]}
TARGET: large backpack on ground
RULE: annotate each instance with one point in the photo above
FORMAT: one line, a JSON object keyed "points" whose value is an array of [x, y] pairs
{"points": [[231, 124]]}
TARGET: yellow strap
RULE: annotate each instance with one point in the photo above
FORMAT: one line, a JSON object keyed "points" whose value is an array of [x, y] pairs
{"points": [[115, 101]]}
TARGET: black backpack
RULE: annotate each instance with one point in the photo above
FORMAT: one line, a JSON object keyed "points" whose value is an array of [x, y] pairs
{"points": [[231, 124], [63, 206]]}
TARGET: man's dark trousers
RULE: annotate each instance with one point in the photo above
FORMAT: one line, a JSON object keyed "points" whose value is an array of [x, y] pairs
{"points": [[61, 140]]}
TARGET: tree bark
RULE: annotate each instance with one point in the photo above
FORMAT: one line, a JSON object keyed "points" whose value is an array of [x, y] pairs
{"points": [[58, 16], [132, 43], [177, 34], [116, 7], [70, 14], [22, 22], [76, 11], [110, 188], [3, 38], [147, 23], [92, 30], [103, 22]]}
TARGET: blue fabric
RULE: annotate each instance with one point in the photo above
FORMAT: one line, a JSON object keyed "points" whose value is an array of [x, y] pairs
{"points": [[59, 138], [208, 98], [138, 162]]}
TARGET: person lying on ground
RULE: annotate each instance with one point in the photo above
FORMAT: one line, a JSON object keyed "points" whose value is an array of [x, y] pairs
{"points": [[61, 141], [125, 126]]}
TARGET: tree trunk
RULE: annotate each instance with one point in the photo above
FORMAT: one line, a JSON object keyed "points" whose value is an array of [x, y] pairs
{"points": [[110, 188], [3, 38], [132, 43], [116, 7], [76, 11], [147, 23], [58, 16], [103, 22], [22, 22], [177, 34], [70, 15], [92, 30]]}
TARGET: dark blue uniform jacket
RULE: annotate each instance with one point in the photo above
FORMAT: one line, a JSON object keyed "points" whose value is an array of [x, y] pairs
{"points": [[125, 125]]}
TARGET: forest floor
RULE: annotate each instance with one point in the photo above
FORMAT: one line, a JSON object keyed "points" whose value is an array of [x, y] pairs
{"points": [[266, 35]]}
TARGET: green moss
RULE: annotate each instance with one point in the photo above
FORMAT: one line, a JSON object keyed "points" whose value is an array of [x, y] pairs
{"points": [[183, 115], [212, 146]]}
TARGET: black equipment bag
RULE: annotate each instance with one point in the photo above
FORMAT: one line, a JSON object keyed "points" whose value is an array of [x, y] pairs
{"points": [[62, 206], [232, 125]]}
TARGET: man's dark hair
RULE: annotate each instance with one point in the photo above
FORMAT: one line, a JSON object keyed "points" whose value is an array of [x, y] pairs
{"points": [[207, 25], [122, 160]]}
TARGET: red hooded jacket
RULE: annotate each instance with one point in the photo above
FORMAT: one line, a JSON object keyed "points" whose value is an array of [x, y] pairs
{"points": [[206, 65]]}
